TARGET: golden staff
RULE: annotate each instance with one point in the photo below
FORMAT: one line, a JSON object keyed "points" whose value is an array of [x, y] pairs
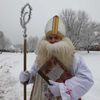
{"points": [[26, 11]]}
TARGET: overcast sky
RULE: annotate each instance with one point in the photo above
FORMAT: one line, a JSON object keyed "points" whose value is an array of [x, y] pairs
{"points": [[42, 11]]}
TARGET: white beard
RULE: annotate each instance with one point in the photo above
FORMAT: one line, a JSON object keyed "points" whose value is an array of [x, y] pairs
{"points": [[62, 50]]}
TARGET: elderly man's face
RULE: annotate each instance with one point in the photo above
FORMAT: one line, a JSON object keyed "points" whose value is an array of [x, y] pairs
{"points": [[53, 38]]}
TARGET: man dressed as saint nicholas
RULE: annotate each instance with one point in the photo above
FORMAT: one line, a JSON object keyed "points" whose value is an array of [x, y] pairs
{"points": [[70, 78]]}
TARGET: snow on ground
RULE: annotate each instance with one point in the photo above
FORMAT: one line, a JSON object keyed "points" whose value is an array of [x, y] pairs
{"points": [[11, 64]]}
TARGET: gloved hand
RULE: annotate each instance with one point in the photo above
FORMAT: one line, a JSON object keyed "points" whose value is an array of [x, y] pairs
{"points": [[24, 77], [54, 88]]}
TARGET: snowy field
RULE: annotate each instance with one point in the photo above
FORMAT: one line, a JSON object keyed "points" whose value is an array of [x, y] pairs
{"points": [[11, 64]]}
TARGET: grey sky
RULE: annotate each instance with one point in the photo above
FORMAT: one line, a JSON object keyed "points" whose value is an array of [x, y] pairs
{"points": [[42, 11]]}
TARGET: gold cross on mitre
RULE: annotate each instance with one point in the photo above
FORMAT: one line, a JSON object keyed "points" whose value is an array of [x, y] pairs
{"points": [[55, 24]]}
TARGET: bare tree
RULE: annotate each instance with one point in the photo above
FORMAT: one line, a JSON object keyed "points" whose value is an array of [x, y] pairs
{"points": [[69, 18], [91, 36], [79, 28], [32, 42], [75, 24], [4, 42], [7, 44]]}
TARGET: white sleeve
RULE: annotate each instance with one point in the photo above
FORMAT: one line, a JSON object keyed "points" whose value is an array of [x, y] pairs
{"points": [[33, 72], [78, 85]]}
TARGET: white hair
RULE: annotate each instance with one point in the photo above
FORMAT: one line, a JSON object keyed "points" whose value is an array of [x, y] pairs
{"points": [[62, 50]]}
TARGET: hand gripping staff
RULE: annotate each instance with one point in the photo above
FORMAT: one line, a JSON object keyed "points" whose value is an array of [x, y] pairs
{"points": [[25, 12]]}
